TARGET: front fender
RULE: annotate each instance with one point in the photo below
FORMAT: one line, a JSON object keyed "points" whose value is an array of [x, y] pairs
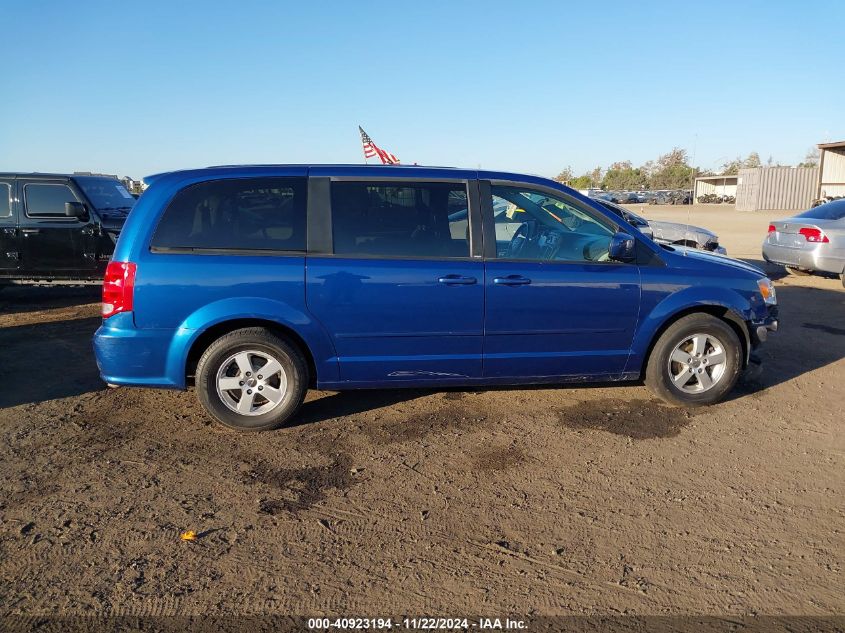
{"points": [[658, 309], [256, 308]]}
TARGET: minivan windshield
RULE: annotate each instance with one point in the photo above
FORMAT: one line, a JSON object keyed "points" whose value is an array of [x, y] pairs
{"points": [[829, 211], [106, 194]]}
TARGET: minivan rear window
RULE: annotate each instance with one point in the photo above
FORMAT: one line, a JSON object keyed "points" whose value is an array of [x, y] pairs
{"points": [[400, 219], [259, 214]]}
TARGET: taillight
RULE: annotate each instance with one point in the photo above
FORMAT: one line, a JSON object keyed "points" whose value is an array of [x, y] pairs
{"points": [[814, 235], [772, 228], [118, 288]]}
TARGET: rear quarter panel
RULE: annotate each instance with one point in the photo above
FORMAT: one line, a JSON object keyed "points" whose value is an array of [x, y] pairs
{"points": [[187, 294]]}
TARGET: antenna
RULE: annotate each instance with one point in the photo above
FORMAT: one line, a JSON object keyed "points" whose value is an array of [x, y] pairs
{"points": [[692, 191]]}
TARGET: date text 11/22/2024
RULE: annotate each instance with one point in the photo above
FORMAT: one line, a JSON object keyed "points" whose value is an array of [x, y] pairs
{"points": [[417, 623]]}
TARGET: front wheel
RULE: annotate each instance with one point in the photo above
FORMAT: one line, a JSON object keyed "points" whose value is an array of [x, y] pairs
{"points": [[695, 362], [251, 380]]}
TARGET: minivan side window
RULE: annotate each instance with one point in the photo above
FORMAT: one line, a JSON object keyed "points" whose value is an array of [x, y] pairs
{"points": [[535, 226], [255, 214], [5, 200], [47, 199], [400, 219]]}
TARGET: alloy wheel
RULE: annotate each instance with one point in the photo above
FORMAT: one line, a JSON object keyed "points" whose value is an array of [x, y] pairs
{"points": [[251, 382], [697, 363]]}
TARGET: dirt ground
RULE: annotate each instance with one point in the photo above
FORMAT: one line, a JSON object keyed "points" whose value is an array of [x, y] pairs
{"points": [[533, 501]]}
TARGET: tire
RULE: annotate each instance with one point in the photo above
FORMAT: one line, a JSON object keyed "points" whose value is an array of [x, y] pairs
{"points": [[798, 272], [842, 278], [228, 359], [679, 337]]}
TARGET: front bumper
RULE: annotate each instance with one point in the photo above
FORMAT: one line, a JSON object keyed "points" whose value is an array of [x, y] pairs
{"points": [[758, 333], [759, 330]]}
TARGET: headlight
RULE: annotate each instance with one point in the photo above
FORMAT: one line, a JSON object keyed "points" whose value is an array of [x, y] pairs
{"points": [[767, 289]]}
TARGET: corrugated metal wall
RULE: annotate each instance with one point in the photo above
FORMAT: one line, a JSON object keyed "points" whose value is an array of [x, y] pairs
{"points": [[776, 188], [833, 173], [747, 187]]}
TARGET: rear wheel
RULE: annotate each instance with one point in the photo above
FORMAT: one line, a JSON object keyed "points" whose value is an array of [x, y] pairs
{"points": [[695, 362], [251, 380]]}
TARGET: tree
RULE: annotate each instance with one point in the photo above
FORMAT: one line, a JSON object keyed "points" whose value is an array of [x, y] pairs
{"points": [[677, 157], [623, 175], [581, 182], [595, 177], [732, 168], [672, 171], [752, 160], [811, 159], [566, 175]]}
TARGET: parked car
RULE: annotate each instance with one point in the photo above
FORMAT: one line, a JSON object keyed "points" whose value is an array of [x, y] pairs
{"points": [[811, 241], [258, 282], [635, 197], [598, 194], [670, 197], [55, 226], [675, 233]]}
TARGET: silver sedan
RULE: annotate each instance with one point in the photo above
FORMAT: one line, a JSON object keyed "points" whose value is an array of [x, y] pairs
{"points": [[811, 241]]}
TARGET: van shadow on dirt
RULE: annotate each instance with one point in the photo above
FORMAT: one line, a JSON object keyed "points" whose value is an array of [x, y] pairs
{"points": [[810, 333], [19, 299], [45, 361], [809, 336]]}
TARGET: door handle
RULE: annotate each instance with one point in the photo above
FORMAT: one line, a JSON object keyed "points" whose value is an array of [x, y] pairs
{"points": [[511, 280], [30, 231], [457, 280]]}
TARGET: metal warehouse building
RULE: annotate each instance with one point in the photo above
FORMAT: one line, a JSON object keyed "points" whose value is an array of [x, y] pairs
{"points": [[776, 188], [720, 185], [831, 170]]}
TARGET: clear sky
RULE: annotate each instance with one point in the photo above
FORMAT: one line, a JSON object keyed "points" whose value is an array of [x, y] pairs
{"points": [[138, 88]]}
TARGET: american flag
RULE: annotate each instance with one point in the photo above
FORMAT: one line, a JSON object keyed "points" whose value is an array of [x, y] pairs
{"points": [[371, 150]]}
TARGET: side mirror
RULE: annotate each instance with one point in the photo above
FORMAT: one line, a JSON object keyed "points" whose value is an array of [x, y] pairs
{"points": [[74, 209], [623, 248]]}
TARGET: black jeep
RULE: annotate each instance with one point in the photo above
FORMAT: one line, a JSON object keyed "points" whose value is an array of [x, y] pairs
{"points": [[59, 227]]}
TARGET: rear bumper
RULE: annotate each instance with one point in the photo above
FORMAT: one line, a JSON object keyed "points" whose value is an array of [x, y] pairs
{"points": [[816, 258], [128, 356]]}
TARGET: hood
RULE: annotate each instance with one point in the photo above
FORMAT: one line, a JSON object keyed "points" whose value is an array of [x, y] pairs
{"points": [[112, 223], [678, 230], [717, 260]]}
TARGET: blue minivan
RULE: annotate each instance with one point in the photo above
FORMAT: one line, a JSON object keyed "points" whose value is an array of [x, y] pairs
{"points": [[255, 283]]}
